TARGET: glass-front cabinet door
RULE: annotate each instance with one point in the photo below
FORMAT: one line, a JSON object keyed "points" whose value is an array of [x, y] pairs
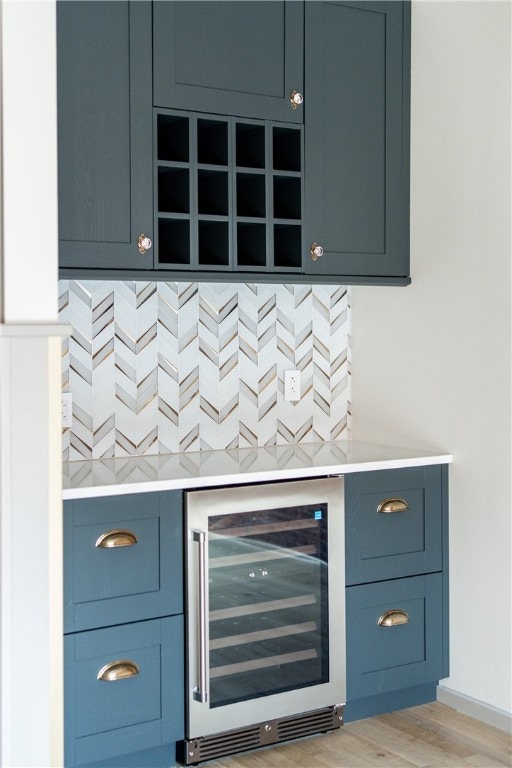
{"points": [[263, 564]]}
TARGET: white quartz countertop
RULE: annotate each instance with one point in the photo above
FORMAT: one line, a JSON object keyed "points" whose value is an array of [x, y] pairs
{"points": [[109, 477]]}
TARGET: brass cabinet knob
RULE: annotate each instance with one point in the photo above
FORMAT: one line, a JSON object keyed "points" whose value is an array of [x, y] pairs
{"points": [[296, 99], [144, 243], [393, 618], [116, 538], [118, 670], [316, 251]]}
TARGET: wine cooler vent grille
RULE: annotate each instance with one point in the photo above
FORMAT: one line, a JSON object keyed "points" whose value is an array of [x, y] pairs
{"points": [[229, 742]]}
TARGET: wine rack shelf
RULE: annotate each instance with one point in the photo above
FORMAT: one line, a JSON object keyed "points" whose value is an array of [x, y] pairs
{"points": [[228, 193]]}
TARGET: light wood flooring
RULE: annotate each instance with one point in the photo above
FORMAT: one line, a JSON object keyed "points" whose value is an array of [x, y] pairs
{"points": [[429, 736]]}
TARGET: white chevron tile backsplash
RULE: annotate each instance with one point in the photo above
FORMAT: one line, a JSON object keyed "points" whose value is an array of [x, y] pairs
{"points": [[160, 368]]}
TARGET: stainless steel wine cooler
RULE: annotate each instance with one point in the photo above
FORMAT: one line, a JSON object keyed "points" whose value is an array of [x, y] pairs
{"points": [[266, 615]]}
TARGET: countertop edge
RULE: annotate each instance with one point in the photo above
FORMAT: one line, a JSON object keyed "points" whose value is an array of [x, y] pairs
{"points": [[96, 489]]}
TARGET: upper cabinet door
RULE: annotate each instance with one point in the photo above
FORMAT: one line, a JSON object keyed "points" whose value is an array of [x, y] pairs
{"points": [[231, 58], [104, 133], [357, 64]]}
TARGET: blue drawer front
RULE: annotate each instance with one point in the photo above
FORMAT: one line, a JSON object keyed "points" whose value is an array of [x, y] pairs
{"points": [[392, 545], [387, 658], [101, 574], [106, 586], [109, 718]]}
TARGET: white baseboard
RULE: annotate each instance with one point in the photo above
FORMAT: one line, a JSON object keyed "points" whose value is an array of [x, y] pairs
{"points": [[474, 708]]}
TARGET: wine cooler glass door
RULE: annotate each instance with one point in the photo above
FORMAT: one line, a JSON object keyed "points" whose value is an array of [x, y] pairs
{"points": [[259, 628]]}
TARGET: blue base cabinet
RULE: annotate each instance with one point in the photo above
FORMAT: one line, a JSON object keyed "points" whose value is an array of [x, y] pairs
{"points": [[397, 588], [124, 631]]}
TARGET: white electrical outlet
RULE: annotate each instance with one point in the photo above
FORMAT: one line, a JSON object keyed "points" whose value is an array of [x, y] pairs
{"points": [[66, 409], [292, 385]]}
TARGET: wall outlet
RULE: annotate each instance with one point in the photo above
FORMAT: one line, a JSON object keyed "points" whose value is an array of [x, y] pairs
{"points": [[66, 409], [292, 385]]}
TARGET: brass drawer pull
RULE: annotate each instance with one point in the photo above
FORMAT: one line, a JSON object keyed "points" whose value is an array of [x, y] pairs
{"points": [[393, 618], [116, 538], [392, 505], [118, 670]]}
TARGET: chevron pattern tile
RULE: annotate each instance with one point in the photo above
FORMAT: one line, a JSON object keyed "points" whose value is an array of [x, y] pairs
{"points": [[159, 368]]}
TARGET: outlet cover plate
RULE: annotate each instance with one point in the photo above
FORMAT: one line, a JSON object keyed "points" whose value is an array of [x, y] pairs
{"points": [[66, 409], [292, 386]]}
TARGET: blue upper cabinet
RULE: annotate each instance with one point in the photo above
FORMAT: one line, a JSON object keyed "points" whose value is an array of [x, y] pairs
{"points": [[357, 65], [104, 134], [238, 58], [248, 140]]}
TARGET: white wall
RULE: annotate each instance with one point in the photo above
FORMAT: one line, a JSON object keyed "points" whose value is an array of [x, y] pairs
{"points": [[432, 362], [29, 130], [31, 698]]}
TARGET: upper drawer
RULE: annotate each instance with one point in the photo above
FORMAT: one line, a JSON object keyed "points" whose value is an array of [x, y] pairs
{"points": [[394, 523], [123, 559]]}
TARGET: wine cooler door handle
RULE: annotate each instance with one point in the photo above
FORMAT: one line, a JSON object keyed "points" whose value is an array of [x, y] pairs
{"points": [[201, 692]]}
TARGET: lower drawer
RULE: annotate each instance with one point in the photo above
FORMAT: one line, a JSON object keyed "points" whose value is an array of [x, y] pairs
{"points": [[124, 690], [394, 635]]}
